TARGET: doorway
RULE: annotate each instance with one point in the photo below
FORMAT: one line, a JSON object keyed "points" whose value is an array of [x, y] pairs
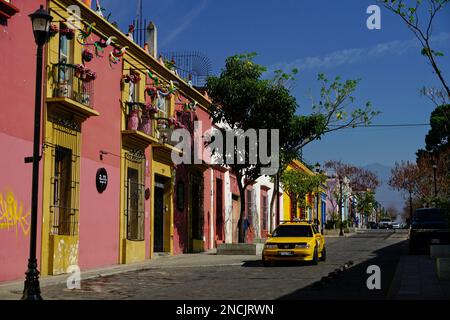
{"points": [[158, 232], [235, 218], [219, 211]]}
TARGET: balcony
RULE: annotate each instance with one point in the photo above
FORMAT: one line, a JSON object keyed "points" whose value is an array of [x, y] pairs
{"points": [[73, 89], [146, 125], [140, 126]]}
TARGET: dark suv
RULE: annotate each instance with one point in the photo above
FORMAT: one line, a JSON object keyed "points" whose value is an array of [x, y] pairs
{"points": [[429, 226]]}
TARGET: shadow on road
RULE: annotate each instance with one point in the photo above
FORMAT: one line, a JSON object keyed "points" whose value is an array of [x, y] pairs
{"points": [[282, 264], [351, 283]]}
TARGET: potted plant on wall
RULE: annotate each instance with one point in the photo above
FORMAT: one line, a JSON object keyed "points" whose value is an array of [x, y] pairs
{"points": [[67, 32], [87, 55], [53, 30], [147, 115], [133, 117]]}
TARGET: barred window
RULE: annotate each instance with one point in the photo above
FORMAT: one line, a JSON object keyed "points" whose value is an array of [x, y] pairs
{"points": [[134, 192], [64, 185]]}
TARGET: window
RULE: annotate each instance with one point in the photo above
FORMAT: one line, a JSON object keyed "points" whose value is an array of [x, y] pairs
{"points": [[134, 92], [134, 193], [264, 211], [65, 55], [162, 105], [64, 215]]}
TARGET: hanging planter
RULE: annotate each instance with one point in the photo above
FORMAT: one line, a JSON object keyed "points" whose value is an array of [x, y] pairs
{"points": [[68, 33], [87, 55], [53, 30]]}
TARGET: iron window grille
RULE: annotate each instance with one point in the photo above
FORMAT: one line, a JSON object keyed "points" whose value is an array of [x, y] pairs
{"points": [[73, 82], [64, 191], [134, 193]]}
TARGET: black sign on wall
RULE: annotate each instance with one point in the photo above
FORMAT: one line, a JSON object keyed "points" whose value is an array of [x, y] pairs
{"points": [[101, 180]]}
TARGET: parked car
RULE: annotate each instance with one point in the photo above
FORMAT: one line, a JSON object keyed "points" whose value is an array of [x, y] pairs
{"points": [[429, 226], [385, 223], [396, 225], [372, 225], [294, 241]]}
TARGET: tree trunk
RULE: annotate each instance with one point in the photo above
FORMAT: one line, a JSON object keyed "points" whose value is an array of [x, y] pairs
{"points": [[241, 234], [272, 204]]}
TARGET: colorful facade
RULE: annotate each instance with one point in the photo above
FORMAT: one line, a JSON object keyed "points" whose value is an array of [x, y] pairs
{"points": [[316, 201], [107, 117], [109, 191]]}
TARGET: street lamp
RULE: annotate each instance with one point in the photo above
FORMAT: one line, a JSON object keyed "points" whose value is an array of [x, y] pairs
{"points": [[341, 233], [41, 24], [317, 169], [434, 175]]}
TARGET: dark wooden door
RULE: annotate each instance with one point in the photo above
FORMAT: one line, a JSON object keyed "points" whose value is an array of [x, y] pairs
{"points": [[158, 232]]}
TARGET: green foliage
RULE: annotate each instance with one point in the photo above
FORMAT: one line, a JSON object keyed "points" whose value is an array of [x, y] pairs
{"points": [[419, 19], [438, 137], [298, 184], [243, 100], [365, 202]]}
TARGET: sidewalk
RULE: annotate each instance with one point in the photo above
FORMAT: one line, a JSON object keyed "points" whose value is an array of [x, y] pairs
{"points": [[13, 290], [416, 279]]}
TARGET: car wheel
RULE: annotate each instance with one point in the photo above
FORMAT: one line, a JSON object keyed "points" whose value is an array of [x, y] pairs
{"points": [[266, 263], [315, 259], [324, 254]]}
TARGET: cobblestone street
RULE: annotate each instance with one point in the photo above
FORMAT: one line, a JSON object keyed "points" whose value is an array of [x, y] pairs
{"points": [[207, 276]]}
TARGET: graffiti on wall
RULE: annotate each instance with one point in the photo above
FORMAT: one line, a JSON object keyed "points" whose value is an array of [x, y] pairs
{"points": [[13, 216]]}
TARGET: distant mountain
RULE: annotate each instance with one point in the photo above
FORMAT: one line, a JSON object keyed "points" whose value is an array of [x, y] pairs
{"points": [[384, 194]]}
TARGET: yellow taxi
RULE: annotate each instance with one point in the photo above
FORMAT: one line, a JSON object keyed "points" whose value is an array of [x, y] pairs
{"points": [[294, 241]]}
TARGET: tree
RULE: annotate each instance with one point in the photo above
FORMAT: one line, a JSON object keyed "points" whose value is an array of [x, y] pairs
{"points": [[360, 179], [298, 184], [410, 12], [333, 110], [242, 100], [392, 212], [438, 137], [365, 202]]}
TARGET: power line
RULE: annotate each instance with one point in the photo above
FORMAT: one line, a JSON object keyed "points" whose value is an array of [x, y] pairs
{"points": [[386, 125]]}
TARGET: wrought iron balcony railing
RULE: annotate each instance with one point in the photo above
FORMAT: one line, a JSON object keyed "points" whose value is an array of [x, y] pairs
{"points": [[74, 82], [146, 119]]}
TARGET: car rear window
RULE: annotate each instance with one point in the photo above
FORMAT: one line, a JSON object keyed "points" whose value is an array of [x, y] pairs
{"points": [[293, 231], [429, 215]]}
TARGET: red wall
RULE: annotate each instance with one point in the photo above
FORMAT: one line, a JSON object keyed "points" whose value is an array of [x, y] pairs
{"points": [[99, 213], [17, 92]]}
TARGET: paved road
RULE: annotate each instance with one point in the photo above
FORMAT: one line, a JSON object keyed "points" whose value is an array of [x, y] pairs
{"points": [[228, 277]]}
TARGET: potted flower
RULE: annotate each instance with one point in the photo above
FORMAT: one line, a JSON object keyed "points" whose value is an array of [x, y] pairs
{"points": [[147, 116], [87, 55], [133, 118], [53, 30], [68, 33], [63, 89], [90, 75]]}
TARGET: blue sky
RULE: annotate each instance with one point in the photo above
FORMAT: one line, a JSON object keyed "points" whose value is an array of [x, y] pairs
{"points": [[316, 36]]}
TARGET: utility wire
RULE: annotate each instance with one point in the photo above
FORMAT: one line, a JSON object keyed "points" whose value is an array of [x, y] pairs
{"points": [[386, 125]]}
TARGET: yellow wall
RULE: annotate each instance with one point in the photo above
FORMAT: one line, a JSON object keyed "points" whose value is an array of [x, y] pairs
{"points": [[287, 204]]}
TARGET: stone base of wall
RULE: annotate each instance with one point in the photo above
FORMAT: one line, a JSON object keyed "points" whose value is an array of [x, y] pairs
{"points": [[240, 248]]}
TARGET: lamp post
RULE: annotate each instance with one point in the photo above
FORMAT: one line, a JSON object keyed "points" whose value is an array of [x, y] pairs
{"points": [[341, 233], [434, 177], [41, 24], [317, 169]]}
